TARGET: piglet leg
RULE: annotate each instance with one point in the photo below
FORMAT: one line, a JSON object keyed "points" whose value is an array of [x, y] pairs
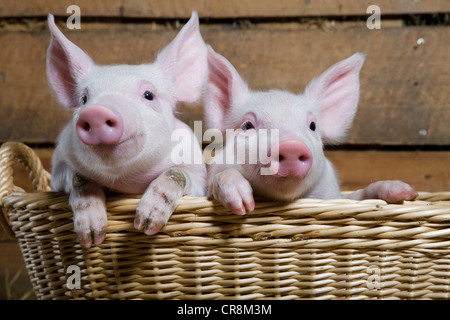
{"points": [[160, 200], [233, 191], [392, 191], [87, 200]]}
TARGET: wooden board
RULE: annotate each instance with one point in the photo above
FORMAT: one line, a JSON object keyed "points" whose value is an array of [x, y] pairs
{"points": [[424, 171], [404, 86], [218, 8]]}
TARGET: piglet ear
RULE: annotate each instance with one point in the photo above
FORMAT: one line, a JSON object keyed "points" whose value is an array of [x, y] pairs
{"points": [[184, 61], [224, 89], [336, 93], [66, 64]]}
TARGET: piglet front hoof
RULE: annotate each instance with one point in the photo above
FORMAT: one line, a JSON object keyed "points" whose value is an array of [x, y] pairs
{"points": [[151, 220], [391, 191], [154, 213], [90, 223], [394, 191], [233, 191], [160, 200], [87, 201]]}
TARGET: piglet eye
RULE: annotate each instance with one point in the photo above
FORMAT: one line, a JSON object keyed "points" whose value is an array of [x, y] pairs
{"points": [[312, 126], [84, 99], [247, 126], [148, 95]]}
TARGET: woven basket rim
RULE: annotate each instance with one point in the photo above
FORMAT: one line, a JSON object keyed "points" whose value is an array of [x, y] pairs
{"points": [[415, 225]]}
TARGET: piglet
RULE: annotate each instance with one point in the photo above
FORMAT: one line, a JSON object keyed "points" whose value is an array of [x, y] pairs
{"points": [[295, 126], [119, 138]]}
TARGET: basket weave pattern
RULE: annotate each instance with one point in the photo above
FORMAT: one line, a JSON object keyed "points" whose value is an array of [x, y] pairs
{"points": [[306, 249]]}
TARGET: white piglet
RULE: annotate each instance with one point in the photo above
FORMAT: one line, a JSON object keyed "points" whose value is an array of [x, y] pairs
{"points": [[296, 166], [119, 137]]}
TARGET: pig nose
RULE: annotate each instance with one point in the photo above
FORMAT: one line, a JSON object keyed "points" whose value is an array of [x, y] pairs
{"points": [[295, 159], [97, 124]]}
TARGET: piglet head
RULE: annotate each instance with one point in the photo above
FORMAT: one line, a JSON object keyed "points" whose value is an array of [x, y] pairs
{"points": [[301, 123], [123, 114]]}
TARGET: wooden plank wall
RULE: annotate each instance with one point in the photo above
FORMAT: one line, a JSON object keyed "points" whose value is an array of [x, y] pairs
{"points": [[401, 130]]}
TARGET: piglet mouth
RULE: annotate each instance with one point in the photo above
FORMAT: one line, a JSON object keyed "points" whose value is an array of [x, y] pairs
{"points": [[127, 140], [129, 145], [286, 170], [134, 138]]}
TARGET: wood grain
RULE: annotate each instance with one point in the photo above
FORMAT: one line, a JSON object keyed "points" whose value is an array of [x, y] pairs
{"points": [[219, 9], [424, 171], [404, 86]]}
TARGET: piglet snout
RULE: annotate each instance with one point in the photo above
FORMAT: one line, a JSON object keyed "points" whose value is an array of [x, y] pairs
{"points": [[294, 159], [98, 124]]}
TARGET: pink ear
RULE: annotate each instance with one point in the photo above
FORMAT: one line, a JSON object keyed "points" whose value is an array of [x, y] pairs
{"points": [[66, 63], [336, 92], [184, 61], [223, 89]]}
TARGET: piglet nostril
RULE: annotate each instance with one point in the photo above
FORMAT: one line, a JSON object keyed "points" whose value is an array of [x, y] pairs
{"points": [[85, 126]]}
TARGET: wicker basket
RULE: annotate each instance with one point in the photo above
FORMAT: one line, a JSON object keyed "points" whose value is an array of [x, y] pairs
{"points": [[307, 249]]}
